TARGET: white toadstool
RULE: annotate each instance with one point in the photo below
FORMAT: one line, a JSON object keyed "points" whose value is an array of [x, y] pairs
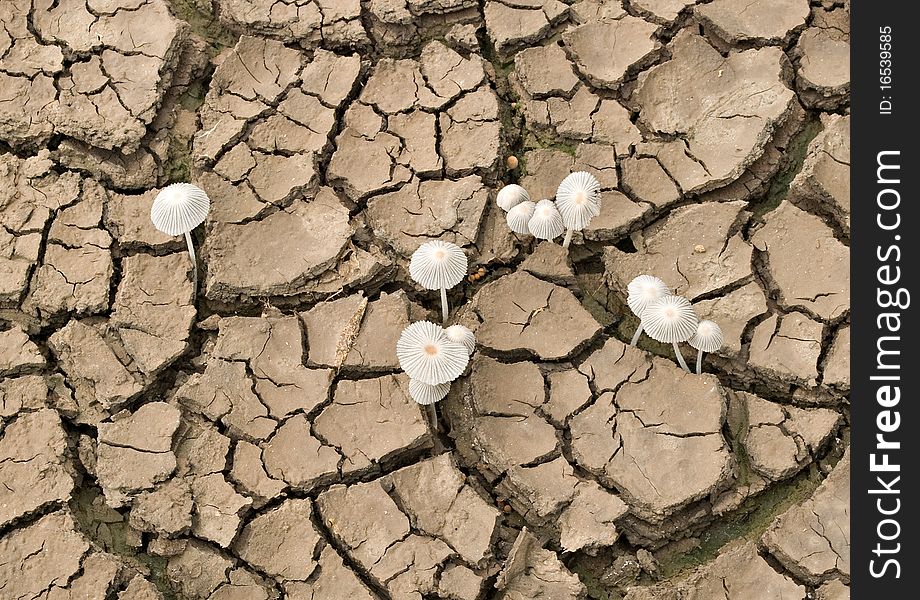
{"points": [[546, 222], [430, 358], [425, 394], [642, 291], [671, 320], [177, 210], [708, 338], [578, 200], [426, 353], [463, 336], [519, 217], [438, 265], [510, 196]]}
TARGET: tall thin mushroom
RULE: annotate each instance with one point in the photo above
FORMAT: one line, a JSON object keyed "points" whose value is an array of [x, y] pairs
{"points": [[177, 210], [438, 265], [708, 338], [429, 356], [671, 320], [642, 291], [578, 199]]}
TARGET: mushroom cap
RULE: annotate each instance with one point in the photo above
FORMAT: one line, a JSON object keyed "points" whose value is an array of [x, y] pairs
{"points": [[670, 319], [179, 208], [510, 196], [708, 336], [546, 222], [463, 336], [437, 264], [643, 290], [579, 199], [426, 353], [519, 217], [425, 394]]}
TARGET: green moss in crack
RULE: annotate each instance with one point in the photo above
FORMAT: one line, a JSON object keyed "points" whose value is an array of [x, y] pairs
{"points": [[595, 295], [749, 522], [596, 589], [178, 166], [205, 24], [108, 529], [568, 147], [795, 156]]}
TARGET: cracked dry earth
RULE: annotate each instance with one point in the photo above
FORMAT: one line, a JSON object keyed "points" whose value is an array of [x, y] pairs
{"points": [[253, 439]]}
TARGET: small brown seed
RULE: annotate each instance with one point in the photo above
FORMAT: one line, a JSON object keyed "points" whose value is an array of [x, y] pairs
{"points": [[507, 509], [512, 162]]}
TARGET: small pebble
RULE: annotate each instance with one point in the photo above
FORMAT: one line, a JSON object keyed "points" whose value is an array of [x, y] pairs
{"points": [[699, 248], [507, 509], [512, 162]]}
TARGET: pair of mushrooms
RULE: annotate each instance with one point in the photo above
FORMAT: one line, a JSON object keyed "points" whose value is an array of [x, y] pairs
{"points": [[433, 357], [578, 200], [670, 319]]}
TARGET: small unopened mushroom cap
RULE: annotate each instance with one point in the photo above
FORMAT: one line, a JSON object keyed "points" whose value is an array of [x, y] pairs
{"points": [[708, 336], [463, 336], [546, 222], [436, 264], [670, 319], [643, 290], [426, 394], [510, 196], [579, 199], [426, 353], [179, 208], [519, 217]]}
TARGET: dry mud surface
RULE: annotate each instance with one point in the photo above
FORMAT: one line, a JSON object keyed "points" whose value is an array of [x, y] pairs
{"points": [[254, 438]]}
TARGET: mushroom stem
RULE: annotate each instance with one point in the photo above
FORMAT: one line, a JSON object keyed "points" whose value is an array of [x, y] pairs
{"points": [[699, 362], [191, 253], [568, 237], [680, 358], [445, 310], [636, 335], [433, 416]]}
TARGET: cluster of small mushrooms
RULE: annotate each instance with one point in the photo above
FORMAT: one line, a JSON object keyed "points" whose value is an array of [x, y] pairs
{"points": [[670, 319], [433, 356], [578, 200]]}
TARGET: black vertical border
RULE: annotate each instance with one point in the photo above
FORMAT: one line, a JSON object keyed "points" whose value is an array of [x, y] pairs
{"points": [[871, 133]]}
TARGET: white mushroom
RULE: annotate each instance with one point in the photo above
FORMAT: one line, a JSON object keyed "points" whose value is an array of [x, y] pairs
{"points": [[425, 394], [510, 196], [642, 291], [671, 320], [438, 265], [519, 217], [463, 336], [708, 338], [426, 354], [177, 210], [546, 222], [578, 200]]}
